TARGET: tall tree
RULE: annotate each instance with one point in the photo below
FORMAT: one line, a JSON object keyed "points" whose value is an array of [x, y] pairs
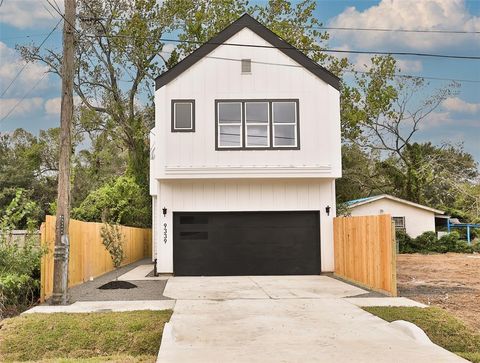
{"points": [[117, 56]]}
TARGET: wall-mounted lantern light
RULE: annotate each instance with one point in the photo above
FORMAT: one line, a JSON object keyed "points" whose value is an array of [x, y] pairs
{"points": [[164, 210], [327, 209]]}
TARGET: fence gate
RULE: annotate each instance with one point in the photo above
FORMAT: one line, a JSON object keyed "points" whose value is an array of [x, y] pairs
{"points": [[365, 252]]}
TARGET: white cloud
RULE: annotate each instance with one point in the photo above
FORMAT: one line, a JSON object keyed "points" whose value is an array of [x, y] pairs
{"points": [[52, 106], [167, 50], [363, 62], [20, 108], [436, 119], [29, 13], [456, 104], [10, 65], [408, 14], [409, 66]]}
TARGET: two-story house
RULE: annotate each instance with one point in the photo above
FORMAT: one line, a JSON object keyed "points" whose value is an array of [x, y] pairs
{"points": [[244, 156]]}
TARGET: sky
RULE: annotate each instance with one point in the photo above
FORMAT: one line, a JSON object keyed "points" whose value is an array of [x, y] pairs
{"points": [[33, 99]]}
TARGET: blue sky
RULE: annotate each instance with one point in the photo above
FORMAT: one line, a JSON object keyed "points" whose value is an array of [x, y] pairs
{"points": [[456, 120]]}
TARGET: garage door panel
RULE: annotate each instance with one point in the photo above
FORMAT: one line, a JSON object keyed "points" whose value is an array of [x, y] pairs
{"points": [[246, 243]]}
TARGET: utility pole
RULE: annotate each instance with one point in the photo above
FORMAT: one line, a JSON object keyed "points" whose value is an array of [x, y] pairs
{"points": [[60, 267]]}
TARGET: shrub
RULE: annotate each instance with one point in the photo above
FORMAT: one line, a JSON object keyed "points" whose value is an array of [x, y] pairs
{"points": [[404, 242], [18, 292], [425, 242], [121, 200], [19, 265]]}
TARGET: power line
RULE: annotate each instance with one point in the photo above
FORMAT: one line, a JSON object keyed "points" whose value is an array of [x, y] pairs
{"points": [[21, 69], [434, 55], [325, 50], [24, 96], [346, 71], [439, 31]]}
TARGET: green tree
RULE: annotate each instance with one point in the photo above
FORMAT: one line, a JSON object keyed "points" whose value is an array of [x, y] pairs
{"points": [[118, 54], [119, 201]]}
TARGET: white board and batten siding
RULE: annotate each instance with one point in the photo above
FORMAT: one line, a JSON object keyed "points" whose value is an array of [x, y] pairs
{"points": [[193, 155], [245, 195], [189, 174]]}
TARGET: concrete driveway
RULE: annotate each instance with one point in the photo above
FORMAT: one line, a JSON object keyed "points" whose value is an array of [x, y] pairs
{"points": [[281, 319]]}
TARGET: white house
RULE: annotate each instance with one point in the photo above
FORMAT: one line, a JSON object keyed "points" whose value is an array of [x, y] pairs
{"points": [[244, 156], [412, 217]]}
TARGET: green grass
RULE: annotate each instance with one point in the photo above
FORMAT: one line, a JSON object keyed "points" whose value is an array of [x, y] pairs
{"points": [[441, 327], [96, 337]]}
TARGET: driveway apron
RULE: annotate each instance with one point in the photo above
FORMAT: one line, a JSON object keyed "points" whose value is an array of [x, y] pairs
{"points": [[281, 319]]}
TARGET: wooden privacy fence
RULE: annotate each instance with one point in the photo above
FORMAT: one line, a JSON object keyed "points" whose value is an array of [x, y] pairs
{"points": [[88, 256], [365, 252]]}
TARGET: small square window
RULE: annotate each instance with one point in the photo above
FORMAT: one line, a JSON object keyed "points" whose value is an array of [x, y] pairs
{"points": [[183, 115]]}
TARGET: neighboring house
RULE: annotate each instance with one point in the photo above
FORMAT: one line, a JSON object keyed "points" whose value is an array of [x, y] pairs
{"points": [[411, 217], [244, 156]]}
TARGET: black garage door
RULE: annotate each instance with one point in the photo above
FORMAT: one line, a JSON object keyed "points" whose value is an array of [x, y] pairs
{"points": [[246, 243]]}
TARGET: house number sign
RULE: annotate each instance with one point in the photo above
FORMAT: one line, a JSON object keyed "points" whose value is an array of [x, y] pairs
{"points": [[165, 233]]}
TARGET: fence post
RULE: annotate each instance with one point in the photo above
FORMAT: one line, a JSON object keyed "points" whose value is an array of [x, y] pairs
{"points": [[394, 260], [42, 263]]}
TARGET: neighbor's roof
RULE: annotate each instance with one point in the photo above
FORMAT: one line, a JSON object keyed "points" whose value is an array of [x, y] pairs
{"points": [[357, 202], [246, 21]]}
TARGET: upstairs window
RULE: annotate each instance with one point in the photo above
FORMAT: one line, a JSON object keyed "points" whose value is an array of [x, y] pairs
{"points": [[230, 132], [284, 124], [183, 115], [257, 124]]}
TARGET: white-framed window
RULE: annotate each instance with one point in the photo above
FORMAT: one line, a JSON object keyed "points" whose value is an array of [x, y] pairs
{"points": [[257, 124], [183, 115], [284, 117], [229, 127], [399, 222]]}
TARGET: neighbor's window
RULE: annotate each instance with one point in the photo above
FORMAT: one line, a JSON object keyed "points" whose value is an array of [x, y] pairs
{"points": [[183, 115], [399, 222], [257, 124], [229, 124]]}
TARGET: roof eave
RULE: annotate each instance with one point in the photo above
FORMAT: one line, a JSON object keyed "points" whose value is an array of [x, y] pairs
{"points": [[246, 21], [399, 200]]}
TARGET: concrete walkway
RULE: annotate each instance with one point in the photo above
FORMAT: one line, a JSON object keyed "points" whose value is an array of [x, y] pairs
{"points": [[282, 319], [103, 306]]}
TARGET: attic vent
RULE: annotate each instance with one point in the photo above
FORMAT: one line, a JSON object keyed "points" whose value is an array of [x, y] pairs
{"points": [[246, 66]]}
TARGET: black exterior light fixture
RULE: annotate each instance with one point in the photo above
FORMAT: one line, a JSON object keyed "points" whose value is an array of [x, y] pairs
{"points": [[327, 209], [164, 210]]}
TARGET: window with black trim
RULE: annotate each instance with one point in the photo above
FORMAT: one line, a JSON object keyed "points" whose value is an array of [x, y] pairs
{"points": [[257, 124], [183, 115]]}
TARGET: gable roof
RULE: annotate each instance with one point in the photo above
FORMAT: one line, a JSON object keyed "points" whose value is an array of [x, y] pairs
{"points": [[246, 21], [357, 202]]}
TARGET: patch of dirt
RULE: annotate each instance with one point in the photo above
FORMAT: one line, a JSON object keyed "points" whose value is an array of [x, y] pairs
{"points": [[451, 281]]}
